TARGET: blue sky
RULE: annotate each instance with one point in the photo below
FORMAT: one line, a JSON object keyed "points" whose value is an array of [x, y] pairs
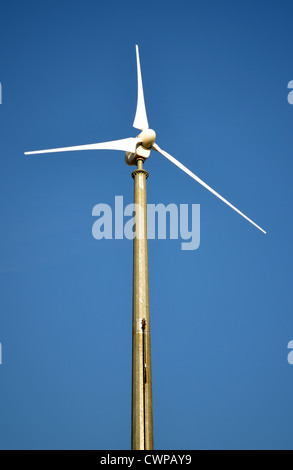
{"points": [[215, 80]]}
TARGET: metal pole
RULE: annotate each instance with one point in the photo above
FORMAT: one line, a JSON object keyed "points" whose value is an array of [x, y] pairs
{"points": [[142, 408]]}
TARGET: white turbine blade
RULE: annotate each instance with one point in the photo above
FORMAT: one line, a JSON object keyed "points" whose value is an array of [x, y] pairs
{"points": [[126, 145], [140, 120], [196, 178]]}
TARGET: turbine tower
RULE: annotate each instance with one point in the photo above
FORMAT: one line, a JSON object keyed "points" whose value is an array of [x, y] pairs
{"points": [[138, 150]]}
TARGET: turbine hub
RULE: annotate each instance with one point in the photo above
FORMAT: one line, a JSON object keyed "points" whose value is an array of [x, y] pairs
{"points": [[148, 138], [143, 149]]}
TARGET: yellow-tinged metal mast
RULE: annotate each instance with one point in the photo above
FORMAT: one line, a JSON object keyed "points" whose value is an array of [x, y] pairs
{"points": [[142, 407]]}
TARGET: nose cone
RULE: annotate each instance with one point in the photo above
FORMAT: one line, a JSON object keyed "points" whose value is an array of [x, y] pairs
{"points": [[148, 138]]}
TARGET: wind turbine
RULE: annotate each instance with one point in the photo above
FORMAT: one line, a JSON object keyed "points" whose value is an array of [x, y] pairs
{"points": [[138, 150]]}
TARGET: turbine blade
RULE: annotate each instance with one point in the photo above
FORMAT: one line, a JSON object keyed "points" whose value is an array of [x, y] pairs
{"points": [[140, 120], [126, 145], [196, 178]]}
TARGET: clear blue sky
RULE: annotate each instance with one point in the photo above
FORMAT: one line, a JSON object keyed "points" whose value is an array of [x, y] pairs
{"points": [[215, 80]]}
